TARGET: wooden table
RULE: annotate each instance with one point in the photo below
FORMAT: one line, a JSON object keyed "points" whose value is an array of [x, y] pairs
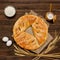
{"points": [[22, 6]]}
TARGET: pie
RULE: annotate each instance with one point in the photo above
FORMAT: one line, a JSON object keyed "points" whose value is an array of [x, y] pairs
{"points": [[26, 40]]}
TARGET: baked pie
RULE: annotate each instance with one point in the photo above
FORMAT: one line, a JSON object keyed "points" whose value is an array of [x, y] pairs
{"points": [[26, 40]]}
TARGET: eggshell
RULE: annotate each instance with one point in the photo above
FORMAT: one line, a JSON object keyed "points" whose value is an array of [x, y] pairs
{"points": [[5, 39], [9, 43]]}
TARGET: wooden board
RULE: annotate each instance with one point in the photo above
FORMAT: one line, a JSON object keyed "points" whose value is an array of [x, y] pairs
{"points": [[22, 6]]}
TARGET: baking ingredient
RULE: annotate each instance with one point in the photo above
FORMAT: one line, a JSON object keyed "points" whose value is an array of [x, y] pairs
{"points": [[5, 39], [9, 43], [9, 11], [50, 16]]}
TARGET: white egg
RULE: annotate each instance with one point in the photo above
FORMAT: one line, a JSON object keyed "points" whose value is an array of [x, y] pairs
{"points": [[9, 43], [5, 39], [50, 16], [10, 11]]}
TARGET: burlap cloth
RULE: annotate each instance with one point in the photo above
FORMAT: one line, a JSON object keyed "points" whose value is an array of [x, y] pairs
{"points": [[29, 30]]}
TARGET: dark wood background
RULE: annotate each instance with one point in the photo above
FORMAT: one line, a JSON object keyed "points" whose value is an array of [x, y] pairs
{"points": [[22, 6]]}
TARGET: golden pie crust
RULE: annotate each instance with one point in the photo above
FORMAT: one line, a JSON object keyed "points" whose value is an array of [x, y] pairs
{"points": [[26, 40]]}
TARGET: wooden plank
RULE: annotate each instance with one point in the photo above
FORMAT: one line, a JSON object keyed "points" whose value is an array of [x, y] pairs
{"points": [[30, 1], [7, 30], [42, 6], [22, 6], [5, 53], [22, 12], [15, 58]]}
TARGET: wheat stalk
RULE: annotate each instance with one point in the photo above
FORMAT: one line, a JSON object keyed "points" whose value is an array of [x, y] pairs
{"points": [[17, 49], [51, 46], [41, 55]]}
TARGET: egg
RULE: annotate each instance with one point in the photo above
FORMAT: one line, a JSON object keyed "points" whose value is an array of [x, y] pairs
{"points": [[9, 11], [9, 43], [5, 39], [50, 16]]}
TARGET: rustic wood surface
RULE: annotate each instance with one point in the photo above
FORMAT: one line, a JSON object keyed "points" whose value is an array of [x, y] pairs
{"points": [[22, 6]]}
